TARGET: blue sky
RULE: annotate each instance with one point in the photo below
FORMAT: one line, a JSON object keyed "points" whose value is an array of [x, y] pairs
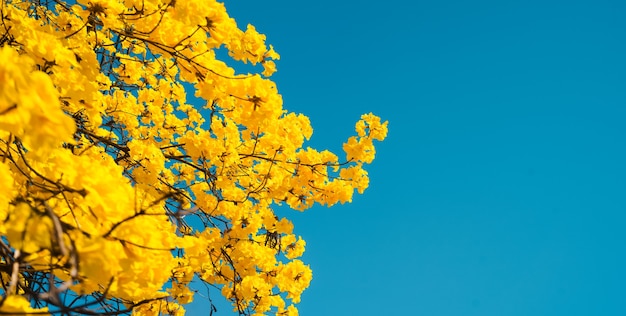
{"points": [[501, 189]]}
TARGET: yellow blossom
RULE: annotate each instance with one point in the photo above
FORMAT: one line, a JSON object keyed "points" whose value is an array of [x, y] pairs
{"points": [[118, 187]]}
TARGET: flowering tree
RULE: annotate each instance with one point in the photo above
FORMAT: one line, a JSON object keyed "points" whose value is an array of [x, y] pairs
{"points": [[118, 196]]}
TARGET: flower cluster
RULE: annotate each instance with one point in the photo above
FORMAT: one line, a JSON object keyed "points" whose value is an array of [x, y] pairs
{"points": [[117, 195]]}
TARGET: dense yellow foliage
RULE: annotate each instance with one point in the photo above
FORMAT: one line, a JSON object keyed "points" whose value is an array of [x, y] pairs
{"points": [[104, 163]]}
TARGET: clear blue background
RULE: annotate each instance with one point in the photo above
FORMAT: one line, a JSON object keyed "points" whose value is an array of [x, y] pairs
{"points": [[501, 189]]}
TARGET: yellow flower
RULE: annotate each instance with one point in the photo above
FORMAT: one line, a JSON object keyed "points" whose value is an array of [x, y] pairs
{"points": [[102, 160], [21, 106], [269, 68], [20, 306], [28, 230]]}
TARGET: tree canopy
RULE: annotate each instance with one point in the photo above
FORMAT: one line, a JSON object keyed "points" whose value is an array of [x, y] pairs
{"points": [[120, 195]]}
